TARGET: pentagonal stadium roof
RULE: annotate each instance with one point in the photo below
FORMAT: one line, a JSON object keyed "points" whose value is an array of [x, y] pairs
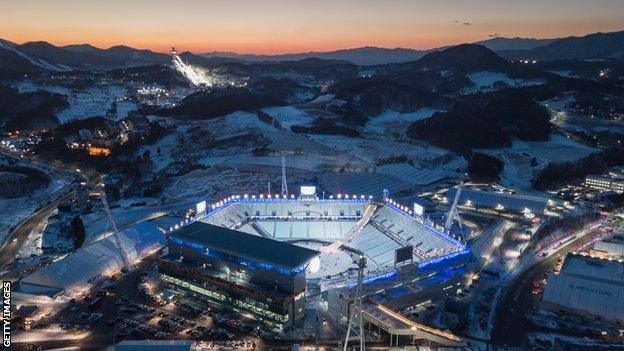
{"points": [[246, 245]]}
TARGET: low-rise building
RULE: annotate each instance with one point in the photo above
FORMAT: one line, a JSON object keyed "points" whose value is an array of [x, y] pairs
{"points": [[499, 201], [603, 183], [612, 247], [589, 286]]}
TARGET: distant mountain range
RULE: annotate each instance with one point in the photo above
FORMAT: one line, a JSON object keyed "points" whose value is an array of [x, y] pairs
{"points": [[365, 56], [592, 46], [16, 59], [371, 55]]}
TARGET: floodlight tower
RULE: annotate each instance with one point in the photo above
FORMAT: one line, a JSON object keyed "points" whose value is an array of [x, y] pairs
{"points": [[357, 302], [284, 184]]}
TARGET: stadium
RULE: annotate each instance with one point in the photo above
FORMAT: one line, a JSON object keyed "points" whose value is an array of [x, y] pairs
{"points": [[262, 253], [340, 227]]}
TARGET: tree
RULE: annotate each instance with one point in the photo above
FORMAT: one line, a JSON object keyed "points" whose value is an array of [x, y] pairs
{"points": [[484, 168], [112, 110], [77, 231], [146, 155]]}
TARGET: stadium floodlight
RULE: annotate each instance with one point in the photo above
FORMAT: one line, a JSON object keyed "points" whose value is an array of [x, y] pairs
{"points": [[418, 209], [315, 265], [200, 207]]}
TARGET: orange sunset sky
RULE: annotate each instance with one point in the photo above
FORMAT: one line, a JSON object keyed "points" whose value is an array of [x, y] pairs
{"points": [[277, 26]]}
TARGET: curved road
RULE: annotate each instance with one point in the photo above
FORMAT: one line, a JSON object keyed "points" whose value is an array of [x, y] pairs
{"points": [[510, 326], [19, 235]]}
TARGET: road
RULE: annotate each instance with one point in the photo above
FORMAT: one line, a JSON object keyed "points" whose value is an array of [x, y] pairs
{"points": [[510, 326], [20, 234], [16, 239]]}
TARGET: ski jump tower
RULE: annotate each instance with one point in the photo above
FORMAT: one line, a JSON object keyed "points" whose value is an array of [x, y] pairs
{"points": [[187, 71]]}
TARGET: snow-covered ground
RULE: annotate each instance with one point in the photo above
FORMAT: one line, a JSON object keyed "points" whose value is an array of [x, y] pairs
{"points": [[90, 102], [14, 210], [390, 118], [289, 116], [35, 60], [485, 80], [518, 173], [217, 182], [225, 146], [564, 73]]}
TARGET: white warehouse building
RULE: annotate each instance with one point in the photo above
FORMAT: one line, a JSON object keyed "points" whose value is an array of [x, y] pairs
{"points": [[613, 247], [589, 286], [92, 262]]}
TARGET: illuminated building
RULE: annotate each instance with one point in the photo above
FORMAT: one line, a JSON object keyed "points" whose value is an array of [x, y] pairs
{"points": [[249, 273], [589, 286], [98, 151], [500, 201], [604, 183]]}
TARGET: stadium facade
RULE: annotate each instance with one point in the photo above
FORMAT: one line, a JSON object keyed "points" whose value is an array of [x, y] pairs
{"points": [[258, 275]]}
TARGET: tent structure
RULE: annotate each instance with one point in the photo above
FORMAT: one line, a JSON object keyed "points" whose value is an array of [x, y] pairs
{"points": [[93, 261]]}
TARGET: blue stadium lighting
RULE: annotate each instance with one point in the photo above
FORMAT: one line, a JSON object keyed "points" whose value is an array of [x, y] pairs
{"points": [[441, 259], [385, 276], [235, 259]]}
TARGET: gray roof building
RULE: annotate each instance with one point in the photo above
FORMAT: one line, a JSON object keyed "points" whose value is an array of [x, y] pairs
{"points": [[245, 245], [491, 199], [155, 345], [587, 285]]}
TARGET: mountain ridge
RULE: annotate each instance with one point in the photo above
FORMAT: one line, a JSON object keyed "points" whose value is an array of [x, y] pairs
{"points": [[41, 55]]}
